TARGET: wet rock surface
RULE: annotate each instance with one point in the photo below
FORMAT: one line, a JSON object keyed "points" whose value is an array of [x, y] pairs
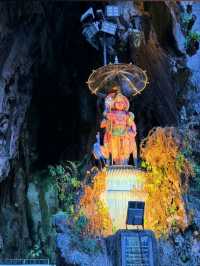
{"points": [[69, 252], [180, 250], [42, 205]]}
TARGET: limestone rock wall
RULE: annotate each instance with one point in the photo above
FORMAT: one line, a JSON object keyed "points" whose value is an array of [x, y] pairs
{"points": [[42, 205]]}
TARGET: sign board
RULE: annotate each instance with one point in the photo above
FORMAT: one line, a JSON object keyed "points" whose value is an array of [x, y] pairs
{"points": [[133, 248]]}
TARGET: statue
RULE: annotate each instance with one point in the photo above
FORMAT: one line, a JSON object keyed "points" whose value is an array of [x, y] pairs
{"points": [[120, 130], [116, 82]]}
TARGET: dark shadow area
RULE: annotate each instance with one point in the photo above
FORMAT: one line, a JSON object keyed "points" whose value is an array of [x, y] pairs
{"points": [[66, 112]]}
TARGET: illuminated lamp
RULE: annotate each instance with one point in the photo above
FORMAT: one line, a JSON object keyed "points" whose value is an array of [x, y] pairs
{"points": [[108, 27], [135, 213], [90, 31], [112, 11]]}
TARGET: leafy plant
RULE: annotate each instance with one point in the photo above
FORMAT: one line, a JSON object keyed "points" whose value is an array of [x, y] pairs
{"points": [[174, 223], [192, 36], [196, 169], [145, 165], [185, 20], [180, 162], [165, 163], [35, 252], [172, 209], [187, 149], [80, 222], [67, 183]]}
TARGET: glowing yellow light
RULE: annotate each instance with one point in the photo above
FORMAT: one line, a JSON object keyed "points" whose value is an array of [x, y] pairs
{"points": [[164, 203]]}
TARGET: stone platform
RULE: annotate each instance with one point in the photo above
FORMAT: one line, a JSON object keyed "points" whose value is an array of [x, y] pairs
{"points": [[133, 248]]}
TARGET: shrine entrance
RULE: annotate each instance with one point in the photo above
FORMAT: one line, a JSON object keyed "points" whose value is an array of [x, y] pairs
{"points": [[122, 185]]}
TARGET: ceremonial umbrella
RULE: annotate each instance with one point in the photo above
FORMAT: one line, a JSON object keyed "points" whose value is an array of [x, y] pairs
{"points": [[130, 78]]}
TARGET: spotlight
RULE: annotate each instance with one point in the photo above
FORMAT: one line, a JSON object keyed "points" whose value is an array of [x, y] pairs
{"points": [[88, 15], [112, 11], [89, 32], [108, 27]]}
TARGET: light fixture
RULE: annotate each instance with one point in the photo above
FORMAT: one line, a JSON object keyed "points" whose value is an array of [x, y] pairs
{"points": [[89, 32], [112, 11], [108, 27], [88, 14]]}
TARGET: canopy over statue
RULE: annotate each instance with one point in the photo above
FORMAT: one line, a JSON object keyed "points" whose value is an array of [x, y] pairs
{"points": [[130, 78]]}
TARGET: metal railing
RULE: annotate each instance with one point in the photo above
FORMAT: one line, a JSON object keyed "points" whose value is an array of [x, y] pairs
{"points": [[24, 261]]}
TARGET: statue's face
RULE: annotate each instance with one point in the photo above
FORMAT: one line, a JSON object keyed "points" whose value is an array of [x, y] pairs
{"points": [[119, 105], [115, 89]]}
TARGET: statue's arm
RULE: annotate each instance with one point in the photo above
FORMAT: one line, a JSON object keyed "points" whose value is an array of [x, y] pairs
{"points": [[132, 123], [133, 127]]}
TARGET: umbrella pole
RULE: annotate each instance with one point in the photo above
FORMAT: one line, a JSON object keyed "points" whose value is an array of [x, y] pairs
{"points": [[104, 50]]}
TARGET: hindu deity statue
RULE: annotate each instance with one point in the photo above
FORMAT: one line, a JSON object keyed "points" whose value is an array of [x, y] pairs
{"points": [[120, 130]]}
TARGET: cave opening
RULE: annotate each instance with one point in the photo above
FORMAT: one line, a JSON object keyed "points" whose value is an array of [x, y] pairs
{"points": [[64, 113]]}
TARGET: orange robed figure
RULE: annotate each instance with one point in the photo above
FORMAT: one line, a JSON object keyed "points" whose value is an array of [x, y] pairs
{"points": [[120, 130]]}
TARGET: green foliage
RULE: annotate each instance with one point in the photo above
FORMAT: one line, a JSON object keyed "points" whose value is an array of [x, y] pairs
{"points": [[163, 184], [187, 150], [180, 162], [184, 258], [174, 226], [172, 209], [67, 183], [174, 223], [192, 36], [35, 252], [146, 165], [80, 223], [67, 175], [185, 20], [196, 169], [114, 229]]}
